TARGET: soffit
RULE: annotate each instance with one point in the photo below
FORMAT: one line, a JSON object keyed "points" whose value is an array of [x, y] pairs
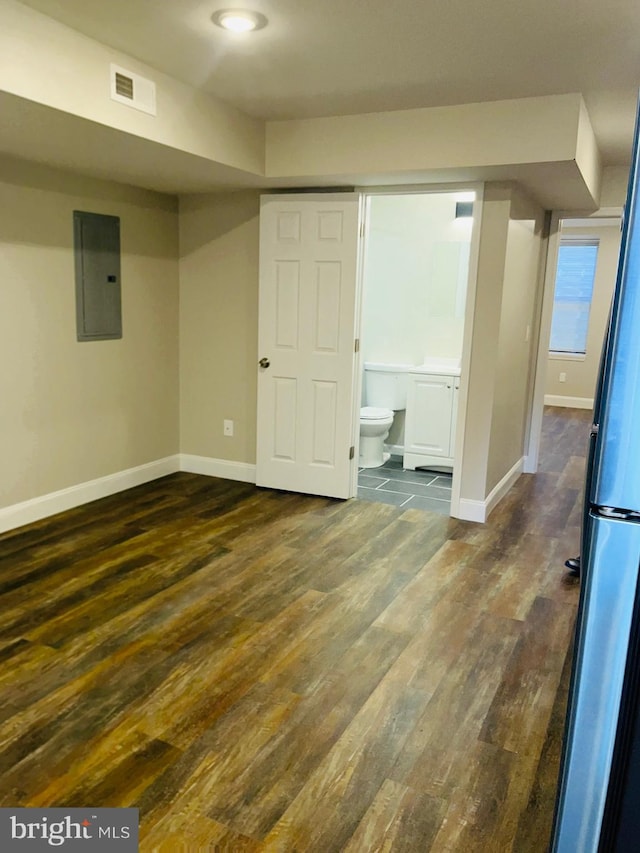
{"points": [[41, 134], [337, 58]]}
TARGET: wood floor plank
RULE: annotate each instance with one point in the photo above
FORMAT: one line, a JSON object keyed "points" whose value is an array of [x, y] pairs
{"points": [[338, 793], [184, 833], [436, 750], [264, 671], [516, 578], [528, 682], [412, 606], [475, 813], [103, 759], [534, 821], [44, 738], [124, 781], [177, 713], [254, 798], [398, 819], [572, 475], [215, 759], [126, 588]]}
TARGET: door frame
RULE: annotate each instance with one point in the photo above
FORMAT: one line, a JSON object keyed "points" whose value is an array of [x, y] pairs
{"points": [[461, 422], [532, 452]]}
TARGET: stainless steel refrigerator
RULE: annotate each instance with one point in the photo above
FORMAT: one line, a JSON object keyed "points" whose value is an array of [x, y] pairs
{"points": [[598, 802]]}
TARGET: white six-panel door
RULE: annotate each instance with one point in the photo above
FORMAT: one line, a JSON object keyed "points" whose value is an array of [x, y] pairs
{"points": [[307, 318]]}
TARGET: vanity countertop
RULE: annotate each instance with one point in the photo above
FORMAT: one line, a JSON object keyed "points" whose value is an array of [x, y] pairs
{"points": [[440, 366]]}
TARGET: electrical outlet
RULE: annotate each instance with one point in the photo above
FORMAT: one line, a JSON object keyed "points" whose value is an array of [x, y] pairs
{"points": [[228, 428], [563, 377]]}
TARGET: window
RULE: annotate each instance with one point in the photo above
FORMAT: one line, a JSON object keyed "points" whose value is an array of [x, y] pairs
{"points": [[572, 299]]}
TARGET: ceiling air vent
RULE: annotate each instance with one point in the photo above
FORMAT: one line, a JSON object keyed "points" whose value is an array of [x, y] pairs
{"points": [[124, 86], [133, 90]]}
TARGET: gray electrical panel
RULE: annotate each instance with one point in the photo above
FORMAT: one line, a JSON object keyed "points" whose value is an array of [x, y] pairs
{"points": [[97, 258]]}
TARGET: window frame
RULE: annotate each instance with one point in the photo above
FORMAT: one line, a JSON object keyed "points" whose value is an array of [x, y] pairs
{"points": [[573, 355]]}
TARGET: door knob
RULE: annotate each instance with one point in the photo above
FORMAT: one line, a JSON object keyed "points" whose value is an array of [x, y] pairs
{"points": [[264, 362]]}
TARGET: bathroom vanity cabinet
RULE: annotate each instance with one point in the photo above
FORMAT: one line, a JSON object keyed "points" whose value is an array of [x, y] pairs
{"points": [[430, 422]]}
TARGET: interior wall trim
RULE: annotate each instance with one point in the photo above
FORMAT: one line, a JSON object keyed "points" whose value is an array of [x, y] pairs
{"points": [[568, 402], [471, 510], [244, 472], [500, 489], [45, 505]]}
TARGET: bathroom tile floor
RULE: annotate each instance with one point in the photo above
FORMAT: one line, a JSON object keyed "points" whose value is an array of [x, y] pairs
{"points": [[391, 484]]}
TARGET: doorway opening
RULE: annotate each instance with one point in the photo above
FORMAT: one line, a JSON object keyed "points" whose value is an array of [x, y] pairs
{"points": [[566, 374], [415, 280]]}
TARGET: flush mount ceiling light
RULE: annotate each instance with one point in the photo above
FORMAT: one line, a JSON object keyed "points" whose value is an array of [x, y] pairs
{"points": [[239, 20]]}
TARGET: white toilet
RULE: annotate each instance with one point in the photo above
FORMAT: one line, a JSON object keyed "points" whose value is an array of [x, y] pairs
{"points": [[385, 392]]}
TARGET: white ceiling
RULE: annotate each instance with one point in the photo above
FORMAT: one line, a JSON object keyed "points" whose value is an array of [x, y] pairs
{"points": [[335, 57]]}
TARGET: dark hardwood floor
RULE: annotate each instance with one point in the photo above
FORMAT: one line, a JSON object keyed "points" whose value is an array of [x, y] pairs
{"points": [[262, 671]]}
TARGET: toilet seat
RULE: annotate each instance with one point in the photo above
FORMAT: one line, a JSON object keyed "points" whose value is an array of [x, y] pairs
{"points": [[374, 413]]}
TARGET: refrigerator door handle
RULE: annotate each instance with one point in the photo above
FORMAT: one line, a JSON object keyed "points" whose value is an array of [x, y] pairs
{"points": [[616, 512]]}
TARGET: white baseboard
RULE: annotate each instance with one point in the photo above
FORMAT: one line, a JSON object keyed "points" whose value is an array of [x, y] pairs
{"points": [[471, 510], [244, 472], [54, 502], [568, 402], [500, 490]]}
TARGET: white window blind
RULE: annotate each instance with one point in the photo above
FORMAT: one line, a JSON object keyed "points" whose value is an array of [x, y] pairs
{"points": [[575, 274]]}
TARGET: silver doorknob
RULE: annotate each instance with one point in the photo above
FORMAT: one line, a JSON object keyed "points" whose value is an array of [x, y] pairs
{"points": [[264, 362]]}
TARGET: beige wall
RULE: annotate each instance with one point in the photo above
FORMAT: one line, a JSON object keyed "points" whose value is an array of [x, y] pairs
{"points": [[580, 372], [614, 186], [46, 62], [72, 412], [529, 130], [494, 225], [507, 283], [219, 323], [514, 368], [545, 143], [588, 157]]}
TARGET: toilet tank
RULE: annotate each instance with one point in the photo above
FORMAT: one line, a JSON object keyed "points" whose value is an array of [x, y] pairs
{"points": [[385, 385]]}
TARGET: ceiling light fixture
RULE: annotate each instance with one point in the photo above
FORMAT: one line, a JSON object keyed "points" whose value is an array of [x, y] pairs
{"points": [[239, 20]]}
